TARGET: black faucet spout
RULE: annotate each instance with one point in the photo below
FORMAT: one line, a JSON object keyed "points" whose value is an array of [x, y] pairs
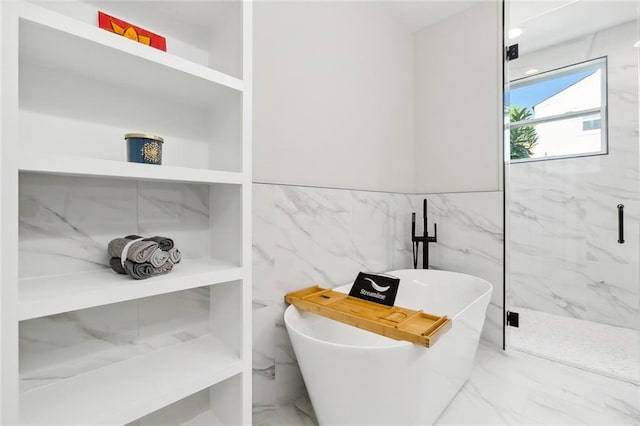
{"points": [[425, 239]]}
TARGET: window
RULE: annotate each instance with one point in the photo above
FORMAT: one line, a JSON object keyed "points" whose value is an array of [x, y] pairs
{"points": [[559, 114]]}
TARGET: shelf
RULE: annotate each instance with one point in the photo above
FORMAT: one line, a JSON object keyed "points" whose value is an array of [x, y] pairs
{"points": [[128, 390], [76, 166], [54, 41], [205, 419], [50, 295], [76, 90]]}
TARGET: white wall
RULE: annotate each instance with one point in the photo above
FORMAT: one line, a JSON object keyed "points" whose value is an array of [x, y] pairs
{"points": [[458, 86], [573, 138], [333, 96]]}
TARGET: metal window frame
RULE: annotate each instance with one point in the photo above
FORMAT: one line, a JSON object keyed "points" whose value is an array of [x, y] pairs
{"points": [[597, 63]]}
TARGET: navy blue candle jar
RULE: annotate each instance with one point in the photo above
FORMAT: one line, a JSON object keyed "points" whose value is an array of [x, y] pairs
{"points": [[142, 148]]}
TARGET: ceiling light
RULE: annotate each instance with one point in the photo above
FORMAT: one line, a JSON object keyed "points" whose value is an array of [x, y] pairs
{"points": [[530, 71], [515, 32], [636, 44]]}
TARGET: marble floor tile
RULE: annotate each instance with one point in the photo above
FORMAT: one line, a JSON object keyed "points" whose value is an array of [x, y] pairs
{"points": [[515, 388]]}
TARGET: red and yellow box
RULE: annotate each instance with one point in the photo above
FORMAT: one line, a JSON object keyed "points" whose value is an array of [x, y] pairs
{"points": [[130, 31]]}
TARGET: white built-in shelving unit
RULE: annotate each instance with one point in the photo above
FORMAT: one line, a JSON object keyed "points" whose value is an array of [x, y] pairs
{"points": [[81, 344]]}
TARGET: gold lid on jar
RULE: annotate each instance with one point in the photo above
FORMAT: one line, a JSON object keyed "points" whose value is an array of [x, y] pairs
{"points": [[143, 135]]}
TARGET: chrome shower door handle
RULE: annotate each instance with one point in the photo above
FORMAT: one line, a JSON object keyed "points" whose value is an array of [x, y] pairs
{"points": [[620, 223]]}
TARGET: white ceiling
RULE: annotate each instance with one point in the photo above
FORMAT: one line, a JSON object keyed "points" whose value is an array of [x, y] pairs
{"points": [[550, 22], [545, 22]]}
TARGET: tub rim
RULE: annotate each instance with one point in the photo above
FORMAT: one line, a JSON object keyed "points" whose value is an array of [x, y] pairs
{"points": [[392, 343]]}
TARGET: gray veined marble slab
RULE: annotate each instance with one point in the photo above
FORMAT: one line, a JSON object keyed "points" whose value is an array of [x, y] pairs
{"points": [[305, 236], [314, 236], [373, 221], [470, 241], [515, 388], [92, 338], [507, 388], [66, 222], [84, 340], [176, 210], [265, 336], [564, 257], [470, 235], [402, 248], [264, 288]]}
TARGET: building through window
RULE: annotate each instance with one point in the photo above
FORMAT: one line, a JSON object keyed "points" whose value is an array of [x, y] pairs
{"points": [[560, 113]]}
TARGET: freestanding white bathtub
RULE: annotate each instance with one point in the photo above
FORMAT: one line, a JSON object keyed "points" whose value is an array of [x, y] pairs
{"points": [[355, 377]]}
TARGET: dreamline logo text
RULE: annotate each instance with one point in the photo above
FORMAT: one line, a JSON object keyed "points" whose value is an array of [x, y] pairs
{"points": [[379, 289]]}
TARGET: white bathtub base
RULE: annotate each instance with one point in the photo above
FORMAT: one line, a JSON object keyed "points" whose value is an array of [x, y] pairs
{"points": [[355, 377]]}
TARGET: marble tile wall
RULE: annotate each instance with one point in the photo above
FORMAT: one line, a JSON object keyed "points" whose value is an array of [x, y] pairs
{"points": [[470, 240], [305, 236], [61, 346], [301, 236], [564, 255], [65, 224]]}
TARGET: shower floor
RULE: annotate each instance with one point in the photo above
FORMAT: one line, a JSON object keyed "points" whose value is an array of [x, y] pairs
{"points": [[613, 351]]}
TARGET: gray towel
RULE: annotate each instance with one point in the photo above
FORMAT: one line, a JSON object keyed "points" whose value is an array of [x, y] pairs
{"points": [[138, 252], [141, 271], [164, 269], [145, 258], [116, 246], [142, 251], [158, 257], [175, 256], [138, 271], [116, 265], [164, 243]]}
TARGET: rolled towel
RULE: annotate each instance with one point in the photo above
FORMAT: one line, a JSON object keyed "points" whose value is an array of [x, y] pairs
{"points": [[164, 269], [174, 255], [133, 237], [116, 265], [164, 243], [116, 246], [158, 257], [138, 271], [141, 271], [142, 251]]}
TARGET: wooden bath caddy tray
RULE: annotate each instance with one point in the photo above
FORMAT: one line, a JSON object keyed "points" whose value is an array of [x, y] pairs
{"points": [[391, 321]]}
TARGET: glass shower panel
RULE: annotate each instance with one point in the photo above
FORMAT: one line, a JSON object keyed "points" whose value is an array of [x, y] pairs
{"points": [[571, 183]]}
